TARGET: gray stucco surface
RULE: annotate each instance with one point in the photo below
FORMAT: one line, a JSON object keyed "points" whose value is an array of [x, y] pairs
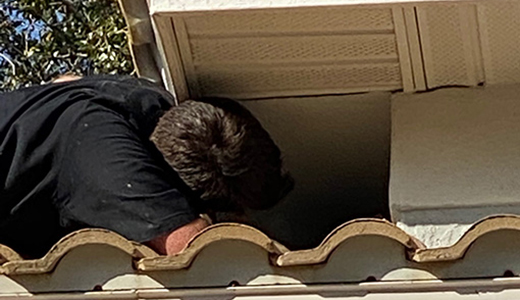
{"points": [[337, 149], [455, 158]]}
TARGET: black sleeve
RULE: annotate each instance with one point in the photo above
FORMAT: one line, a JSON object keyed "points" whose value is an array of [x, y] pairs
{"points": [[110, 178]]}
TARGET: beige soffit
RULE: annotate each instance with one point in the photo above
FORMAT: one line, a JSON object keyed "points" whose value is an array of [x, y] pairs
{"points": [[262, 48], [218, 5], [147, 260]]}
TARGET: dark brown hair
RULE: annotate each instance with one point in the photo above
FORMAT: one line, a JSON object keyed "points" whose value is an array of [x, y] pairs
{"points": [[221, 151]]}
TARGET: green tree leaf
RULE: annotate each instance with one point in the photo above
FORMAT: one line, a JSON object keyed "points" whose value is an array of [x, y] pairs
{"points": [[41, 39]]}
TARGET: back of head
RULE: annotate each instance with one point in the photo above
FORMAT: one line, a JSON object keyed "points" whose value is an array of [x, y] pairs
{"points": [[222, 152]]}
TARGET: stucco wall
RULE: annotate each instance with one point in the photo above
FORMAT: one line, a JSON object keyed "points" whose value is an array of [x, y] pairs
{"points": [[337, 149], [454, 159]]}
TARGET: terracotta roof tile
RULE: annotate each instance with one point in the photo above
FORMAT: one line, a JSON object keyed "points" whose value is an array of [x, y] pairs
{"points": [[459, 249], [14, 265], [278, 259], [218, 232], [359, 227]]}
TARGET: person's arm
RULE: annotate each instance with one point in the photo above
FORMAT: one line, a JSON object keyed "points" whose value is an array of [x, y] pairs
{"points": [[110, 179], [175, 241]]}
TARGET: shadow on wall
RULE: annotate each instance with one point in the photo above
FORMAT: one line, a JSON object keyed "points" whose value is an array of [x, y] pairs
{"points": [[337, 148]]}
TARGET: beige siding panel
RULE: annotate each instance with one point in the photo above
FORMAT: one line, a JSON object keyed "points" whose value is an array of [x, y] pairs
{"points": [[317, 20], [267, 82], [447, 44], [297, 50], [500, 35]]}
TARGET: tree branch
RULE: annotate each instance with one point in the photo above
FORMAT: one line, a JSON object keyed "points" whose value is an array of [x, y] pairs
{"points": [[10, 62]]}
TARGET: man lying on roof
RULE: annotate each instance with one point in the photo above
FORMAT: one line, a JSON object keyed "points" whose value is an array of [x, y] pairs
{"points": [[111, 152]]}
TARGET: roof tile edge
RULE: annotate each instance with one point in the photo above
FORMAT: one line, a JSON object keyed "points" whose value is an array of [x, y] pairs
{"points": [[46, 264], [214, 233], [8, 254], [354, 228], [459, 249], [147, 260]]}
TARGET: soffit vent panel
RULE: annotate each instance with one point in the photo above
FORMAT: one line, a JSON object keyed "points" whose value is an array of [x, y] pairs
{"points": [[500, 36], [450, 48], [275, 51], [285, 53]]}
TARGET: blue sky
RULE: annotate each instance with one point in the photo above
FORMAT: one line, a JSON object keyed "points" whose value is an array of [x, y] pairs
{"points": [[34, 30]]}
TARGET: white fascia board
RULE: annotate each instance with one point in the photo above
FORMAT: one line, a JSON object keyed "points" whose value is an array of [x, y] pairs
{"points": [[178, 6], [492, 289]]}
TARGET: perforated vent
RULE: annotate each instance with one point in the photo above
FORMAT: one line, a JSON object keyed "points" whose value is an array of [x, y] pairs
{"points": [[317, 20], [256, 54], [269, 82], [271, 50], [500, 29], [301, 51], [446, 35]]}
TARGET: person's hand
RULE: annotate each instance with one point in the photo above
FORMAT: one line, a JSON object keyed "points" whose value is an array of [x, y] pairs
{"points": [[175, 241]]}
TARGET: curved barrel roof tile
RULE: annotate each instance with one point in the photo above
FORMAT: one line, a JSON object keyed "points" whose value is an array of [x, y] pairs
{"points": [[358, 227], [218, 232], [459, 249], [147, 260], [8, 254], [17, 266]]}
